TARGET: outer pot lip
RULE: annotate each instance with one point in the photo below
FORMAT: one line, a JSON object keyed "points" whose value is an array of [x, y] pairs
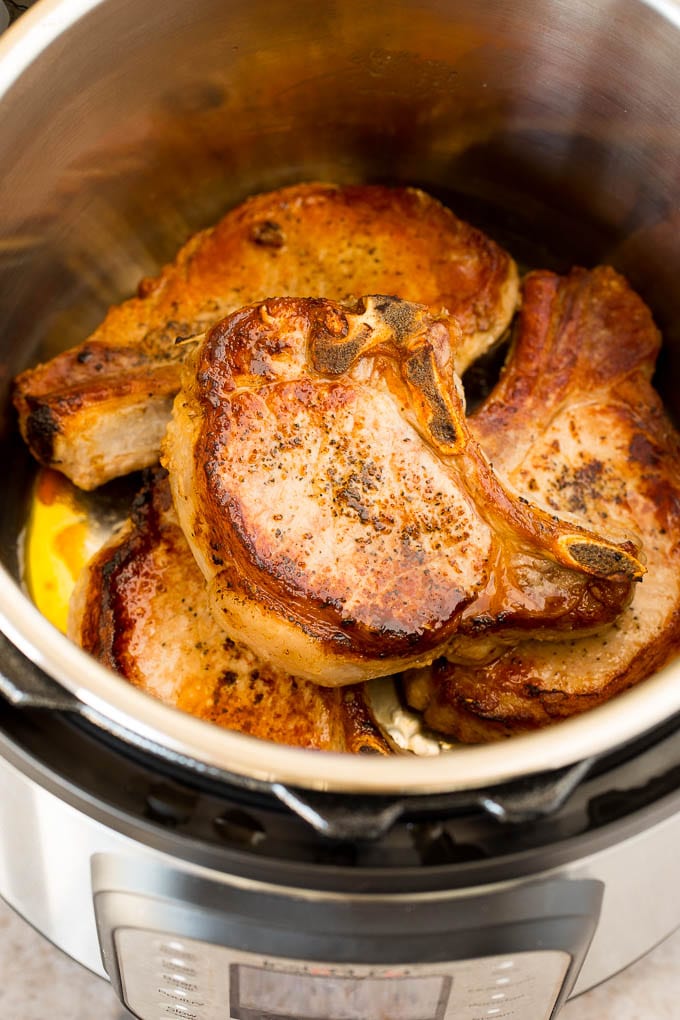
{"points": [[219, 751]]}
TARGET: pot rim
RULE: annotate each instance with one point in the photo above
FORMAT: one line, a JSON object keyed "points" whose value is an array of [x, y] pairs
{"points": [[216, 750]]}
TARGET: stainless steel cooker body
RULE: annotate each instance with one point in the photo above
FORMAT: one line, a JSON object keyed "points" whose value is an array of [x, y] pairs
{"points": [[554, 125], [200, 902]]}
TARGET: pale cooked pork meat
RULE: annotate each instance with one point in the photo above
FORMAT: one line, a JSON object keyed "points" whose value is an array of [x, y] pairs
{"points": [[575, 424], [346, 522], [100, 410], [141, 608]]}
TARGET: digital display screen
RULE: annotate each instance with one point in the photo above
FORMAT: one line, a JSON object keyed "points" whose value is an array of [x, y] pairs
{"points": [[258, 993]]}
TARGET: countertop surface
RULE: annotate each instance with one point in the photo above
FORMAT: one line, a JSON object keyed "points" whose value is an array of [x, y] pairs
{"points": [[37, 982]]}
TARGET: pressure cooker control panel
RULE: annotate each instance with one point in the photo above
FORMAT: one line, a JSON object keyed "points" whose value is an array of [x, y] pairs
{"points": [[179, 944], [186, 979]]}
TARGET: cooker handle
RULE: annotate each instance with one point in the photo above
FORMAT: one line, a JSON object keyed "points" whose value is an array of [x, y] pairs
{"points": [[345, 817], [527, 800], [342, 816], [25, 685]]}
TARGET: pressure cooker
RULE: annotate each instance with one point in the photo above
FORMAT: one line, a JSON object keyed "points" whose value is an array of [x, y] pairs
{"points": [[206, 873]]}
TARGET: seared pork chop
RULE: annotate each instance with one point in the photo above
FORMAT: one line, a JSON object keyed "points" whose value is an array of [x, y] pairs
{"points": [[100, 409], [345, 520], [575, 424], [141, 608]]}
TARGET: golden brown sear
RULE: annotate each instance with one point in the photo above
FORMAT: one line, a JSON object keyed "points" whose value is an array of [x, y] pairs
{"points": [[100, 410], [336, 516], [575, 424], [346, 521], [141, 608]]}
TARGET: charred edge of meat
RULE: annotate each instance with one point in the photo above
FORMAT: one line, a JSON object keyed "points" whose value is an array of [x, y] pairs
{"points": [[361, 733], [421, 374], [42, 428], [107, 607], [604, 560]]}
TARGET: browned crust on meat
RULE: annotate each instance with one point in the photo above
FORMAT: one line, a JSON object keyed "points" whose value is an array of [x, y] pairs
{"points": [[126, 612], [97, 411], [306, 240], [586, 340], [505, 698], [586, 331], [273, 362]]}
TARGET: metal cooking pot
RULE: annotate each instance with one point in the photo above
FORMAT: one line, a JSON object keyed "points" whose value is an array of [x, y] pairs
{"points": [[125, 127]]}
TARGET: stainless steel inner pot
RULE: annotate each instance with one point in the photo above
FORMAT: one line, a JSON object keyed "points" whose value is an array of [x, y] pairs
{"points": [[124, 127]]}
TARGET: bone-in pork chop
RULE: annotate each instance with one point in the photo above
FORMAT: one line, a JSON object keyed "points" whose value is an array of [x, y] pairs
{"points": [[100, 409], [345, 520], [141, 608], [576, 425]]}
